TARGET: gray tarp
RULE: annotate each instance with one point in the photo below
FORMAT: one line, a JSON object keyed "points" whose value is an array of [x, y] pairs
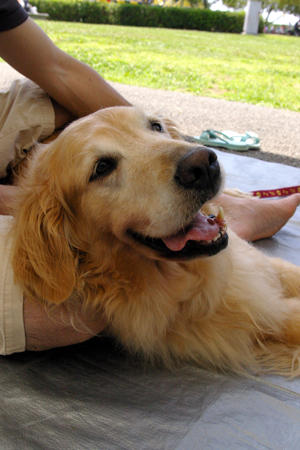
{"points": [[91, 396]]}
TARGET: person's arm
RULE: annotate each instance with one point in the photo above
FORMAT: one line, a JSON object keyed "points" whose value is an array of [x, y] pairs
{"points": [[45, 330], [73, 84]]}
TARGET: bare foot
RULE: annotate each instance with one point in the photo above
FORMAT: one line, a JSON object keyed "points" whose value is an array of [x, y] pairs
{"points": [[252, 218]]}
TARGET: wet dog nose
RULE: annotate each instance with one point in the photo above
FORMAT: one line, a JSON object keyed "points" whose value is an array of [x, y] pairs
{"points": [[199, 169]]}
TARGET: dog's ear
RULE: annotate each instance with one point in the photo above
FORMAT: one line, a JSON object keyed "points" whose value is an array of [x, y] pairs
{"points": [[44, 263], [172, 129], [174, 132]]}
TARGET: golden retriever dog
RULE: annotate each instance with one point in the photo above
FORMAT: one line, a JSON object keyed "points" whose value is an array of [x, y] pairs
{"points": [[117, 216]]}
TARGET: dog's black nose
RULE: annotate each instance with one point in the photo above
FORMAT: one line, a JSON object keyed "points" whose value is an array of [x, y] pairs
{"points": [[199, 169]]}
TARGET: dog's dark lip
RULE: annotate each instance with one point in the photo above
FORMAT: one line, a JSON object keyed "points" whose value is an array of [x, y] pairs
{"points": [[192, 249]]}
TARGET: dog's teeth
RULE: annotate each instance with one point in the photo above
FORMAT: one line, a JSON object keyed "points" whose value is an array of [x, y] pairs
{"points": [[217, 237], [223, 226], [209, 242], [220, 215]]}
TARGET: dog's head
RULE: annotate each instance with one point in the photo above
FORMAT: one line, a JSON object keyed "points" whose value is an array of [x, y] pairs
{"points": [[115, 177]]}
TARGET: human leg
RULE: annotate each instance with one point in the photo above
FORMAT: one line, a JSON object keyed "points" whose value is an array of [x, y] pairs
{"points": [[26, 325], [12, 333], [26, 117], [252, 218]]}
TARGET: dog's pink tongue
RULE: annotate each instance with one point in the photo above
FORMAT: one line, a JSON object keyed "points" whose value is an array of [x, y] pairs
{"points": [[204, 228]]}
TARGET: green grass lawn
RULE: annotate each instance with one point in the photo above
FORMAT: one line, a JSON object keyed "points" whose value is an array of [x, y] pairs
{"points": [[263, 70]]}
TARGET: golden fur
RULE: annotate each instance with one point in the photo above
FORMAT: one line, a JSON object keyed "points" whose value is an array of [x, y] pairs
{"points": [[237, 310]]}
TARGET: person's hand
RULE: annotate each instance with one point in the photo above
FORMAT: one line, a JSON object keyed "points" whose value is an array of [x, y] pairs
{"points": [[46, 330]]}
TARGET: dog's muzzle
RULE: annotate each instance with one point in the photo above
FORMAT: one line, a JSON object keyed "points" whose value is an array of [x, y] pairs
{"points": [[198, 173]]}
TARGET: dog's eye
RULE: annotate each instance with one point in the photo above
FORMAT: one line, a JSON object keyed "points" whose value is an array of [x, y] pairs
{"points": [[104, 167], [156, 126]]}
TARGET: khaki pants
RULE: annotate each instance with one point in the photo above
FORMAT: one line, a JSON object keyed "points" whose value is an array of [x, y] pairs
{"points": [[12, 334], [26, 116]]}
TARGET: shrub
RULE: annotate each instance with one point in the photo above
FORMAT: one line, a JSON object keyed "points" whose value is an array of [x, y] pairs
{"points": [[76, 11], [142, 15]]}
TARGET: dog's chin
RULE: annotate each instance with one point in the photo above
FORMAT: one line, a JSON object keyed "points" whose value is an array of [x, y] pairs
{"points": [[187, 249]]}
